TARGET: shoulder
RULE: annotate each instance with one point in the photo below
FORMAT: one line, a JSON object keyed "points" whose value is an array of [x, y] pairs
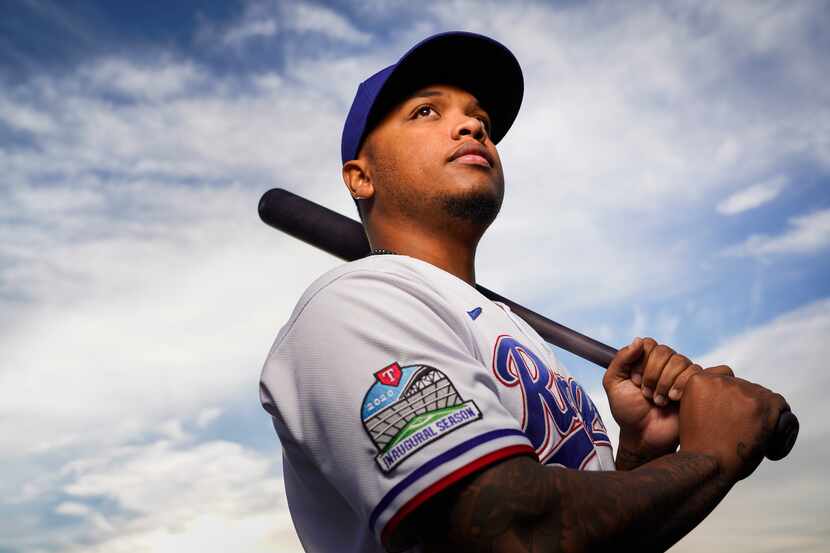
{"points": [[369, 310], [371, 281]]}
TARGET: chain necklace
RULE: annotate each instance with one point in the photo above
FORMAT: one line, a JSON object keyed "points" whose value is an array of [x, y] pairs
{"points": [[380, 251]]}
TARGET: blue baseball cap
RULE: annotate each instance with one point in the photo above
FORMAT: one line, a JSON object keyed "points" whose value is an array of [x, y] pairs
{"points": [[478, 64]]}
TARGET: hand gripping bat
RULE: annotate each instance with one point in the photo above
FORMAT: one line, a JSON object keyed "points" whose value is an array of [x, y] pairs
{"points": [[343, 237]]}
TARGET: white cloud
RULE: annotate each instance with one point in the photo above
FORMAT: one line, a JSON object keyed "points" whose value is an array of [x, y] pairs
{"points": [[265, 19], [751, 197], [809, 233], [173, 430], [154, 81], [319, 19], [207, 416], [55, 201], [250, 29], [25, 119], [72, 508], [256, 533], [170, 496]]}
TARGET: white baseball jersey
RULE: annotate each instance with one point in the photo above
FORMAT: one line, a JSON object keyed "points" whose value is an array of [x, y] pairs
{"points": [[392, 380]]}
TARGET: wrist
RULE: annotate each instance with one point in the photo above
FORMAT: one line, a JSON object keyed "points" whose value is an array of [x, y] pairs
{"points": [[724, 473], [635, 448], [630, 453], [719, 473], [629, 459]]}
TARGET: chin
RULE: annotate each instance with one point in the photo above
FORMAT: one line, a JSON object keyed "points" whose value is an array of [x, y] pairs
{"points": [[479, 205]]}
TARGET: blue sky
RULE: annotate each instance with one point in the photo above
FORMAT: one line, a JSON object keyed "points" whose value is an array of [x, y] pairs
{"points": [[668, 176]]}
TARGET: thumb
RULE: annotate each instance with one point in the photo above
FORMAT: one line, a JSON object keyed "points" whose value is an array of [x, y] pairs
{"points": [[625, 360]]}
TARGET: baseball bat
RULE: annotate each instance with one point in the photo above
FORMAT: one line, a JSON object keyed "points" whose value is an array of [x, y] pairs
{"points": [[344, 238]]}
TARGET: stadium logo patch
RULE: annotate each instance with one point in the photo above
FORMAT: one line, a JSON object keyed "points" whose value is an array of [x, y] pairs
{"points": [[410, 407]]}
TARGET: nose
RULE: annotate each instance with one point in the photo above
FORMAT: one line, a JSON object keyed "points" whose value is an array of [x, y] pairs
{"points": [[470, 126]]}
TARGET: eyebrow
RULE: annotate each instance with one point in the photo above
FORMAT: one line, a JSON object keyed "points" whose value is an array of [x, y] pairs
{"points": [[424, 93], [429, 93]]}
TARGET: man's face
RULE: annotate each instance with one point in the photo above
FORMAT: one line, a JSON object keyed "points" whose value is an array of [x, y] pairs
{"points": [[433, 151]]}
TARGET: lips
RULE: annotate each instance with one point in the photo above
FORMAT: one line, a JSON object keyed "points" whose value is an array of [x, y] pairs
{"points": [[472, 153]]}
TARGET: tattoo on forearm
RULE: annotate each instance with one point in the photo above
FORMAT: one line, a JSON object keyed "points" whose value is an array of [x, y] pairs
{"points": [[515, 506]]}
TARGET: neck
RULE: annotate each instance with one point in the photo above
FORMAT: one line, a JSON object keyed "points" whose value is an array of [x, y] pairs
{"points": [[452, 252]]}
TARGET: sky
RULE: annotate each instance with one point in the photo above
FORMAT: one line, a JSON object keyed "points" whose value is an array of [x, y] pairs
{"points": [[667, 176]]}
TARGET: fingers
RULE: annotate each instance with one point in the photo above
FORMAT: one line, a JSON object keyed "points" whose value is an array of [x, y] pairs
{"points": [[637, 371], [658, 360], [662, 373], [659, 371], [621, 366], [721, 370], [673, 380], [676, 373], [679, 385]]}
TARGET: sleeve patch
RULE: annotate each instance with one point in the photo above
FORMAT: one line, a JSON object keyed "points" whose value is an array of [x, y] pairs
{"points": [[408, 408]]}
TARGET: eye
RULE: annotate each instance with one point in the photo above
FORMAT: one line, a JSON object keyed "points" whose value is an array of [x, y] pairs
{"points": [[424, 111]]}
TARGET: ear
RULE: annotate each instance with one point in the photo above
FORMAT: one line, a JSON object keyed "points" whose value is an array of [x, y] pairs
{"points": [[357, 179]]}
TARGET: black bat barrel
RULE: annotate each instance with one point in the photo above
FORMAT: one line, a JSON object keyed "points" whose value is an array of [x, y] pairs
{"points": [[314, 224]]}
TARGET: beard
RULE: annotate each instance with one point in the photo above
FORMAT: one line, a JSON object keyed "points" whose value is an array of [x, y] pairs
{"points": [[478, 207]]}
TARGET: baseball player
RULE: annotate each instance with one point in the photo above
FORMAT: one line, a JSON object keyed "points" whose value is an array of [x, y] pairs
{"points": [[414, 413]]}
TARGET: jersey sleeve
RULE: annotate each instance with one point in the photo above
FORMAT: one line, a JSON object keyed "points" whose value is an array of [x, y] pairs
{"points": [[379, 383]]}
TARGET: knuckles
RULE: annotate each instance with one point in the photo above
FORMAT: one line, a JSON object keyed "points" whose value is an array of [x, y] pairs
{"points": [[662, 351], [680, 360], [723, 370]]}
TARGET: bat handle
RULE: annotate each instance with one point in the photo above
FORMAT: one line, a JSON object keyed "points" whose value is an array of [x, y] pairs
{"points": [[786, 431]]}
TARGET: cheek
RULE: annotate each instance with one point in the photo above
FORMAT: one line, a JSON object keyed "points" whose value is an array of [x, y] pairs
{"points": [[397, 172], [415, 161]]}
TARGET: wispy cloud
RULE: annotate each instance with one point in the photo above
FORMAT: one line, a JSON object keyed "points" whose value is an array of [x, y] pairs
{"points": [[250, 29], [171, 495], [807, 234], [306, 17], [161, 80], [265, 19], [752, 196]]}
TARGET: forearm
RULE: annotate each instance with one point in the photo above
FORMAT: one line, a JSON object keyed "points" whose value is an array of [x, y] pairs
{"points": [[650, 507], [519, 507], [629, 458]]}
